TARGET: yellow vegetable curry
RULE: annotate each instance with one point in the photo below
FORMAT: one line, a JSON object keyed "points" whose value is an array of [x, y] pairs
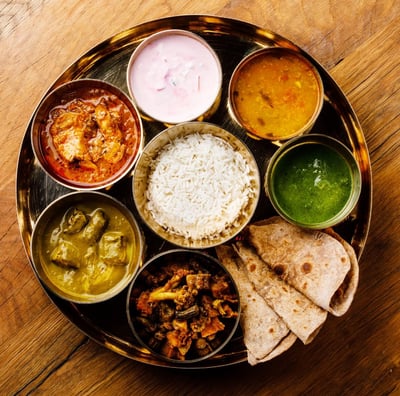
{"points": [[88, 250]]}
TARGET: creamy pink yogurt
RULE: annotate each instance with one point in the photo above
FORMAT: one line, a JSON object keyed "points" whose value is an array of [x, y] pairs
{"points": [[174, 76]]}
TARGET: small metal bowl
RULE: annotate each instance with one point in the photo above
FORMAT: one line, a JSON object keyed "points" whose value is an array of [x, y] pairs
{"points": [[177, 225], [313, 181], [175, 76], [104, 256], [85, 156], [179, 326], [275, 94]]}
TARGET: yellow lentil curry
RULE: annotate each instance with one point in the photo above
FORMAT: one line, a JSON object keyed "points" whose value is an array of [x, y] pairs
{"points": [[275, 94]]}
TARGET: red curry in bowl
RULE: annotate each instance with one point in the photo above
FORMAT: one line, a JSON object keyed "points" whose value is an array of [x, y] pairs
{"points": [[86, 134]]}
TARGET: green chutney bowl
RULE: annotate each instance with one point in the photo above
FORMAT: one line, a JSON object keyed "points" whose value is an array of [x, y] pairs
{"points": [[313, 181]]}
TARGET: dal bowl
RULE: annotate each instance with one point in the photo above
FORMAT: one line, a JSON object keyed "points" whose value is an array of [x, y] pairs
{"points": [[86, 134], [276, 94], [183, 306], [86, 247], [313, 181], [196, 185]]}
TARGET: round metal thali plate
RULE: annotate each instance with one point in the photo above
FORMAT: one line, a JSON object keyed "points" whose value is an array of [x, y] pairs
{"points": [[106, 322]]}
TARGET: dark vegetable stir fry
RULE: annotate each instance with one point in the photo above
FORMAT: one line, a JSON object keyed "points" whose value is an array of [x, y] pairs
{"points": [[181, 310]]}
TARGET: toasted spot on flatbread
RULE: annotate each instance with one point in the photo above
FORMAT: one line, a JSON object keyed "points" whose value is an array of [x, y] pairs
{"points": [[306, 267], [280, 270]]}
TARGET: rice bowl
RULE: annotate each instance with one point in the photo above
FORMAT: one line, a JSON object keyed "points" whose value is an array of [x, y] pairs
{"points": [[196, 185]]}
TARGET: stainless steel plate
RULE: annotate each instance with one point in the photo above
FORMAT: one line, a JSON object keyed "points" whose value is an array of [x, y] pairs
{"points": [[106, 322]]}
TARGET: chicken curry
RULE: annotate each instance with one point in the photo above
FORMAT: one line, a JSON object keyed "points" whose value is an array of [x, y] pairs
{"points": [[90, 138]]}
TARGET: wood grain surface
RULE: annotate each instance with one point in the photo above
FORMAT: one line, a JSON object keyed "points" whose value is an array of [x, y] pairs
{"points": [[42, 353]]}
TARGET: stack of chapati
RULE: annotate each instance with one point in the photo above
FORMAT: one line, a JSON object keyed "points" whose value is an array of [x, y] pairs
{"points": [[289, 279]]}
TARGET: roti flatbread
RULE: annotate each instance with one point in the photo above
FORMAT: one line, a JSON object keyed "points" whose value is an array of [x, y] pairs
{"points": [[283, 346], [265, 335], [344, 296], [301, 315], [318, 265]]}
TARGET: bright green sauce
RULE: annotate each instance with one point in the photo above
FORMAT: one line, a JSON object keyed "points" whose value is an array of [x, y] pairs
{"points": [[312, 183]]}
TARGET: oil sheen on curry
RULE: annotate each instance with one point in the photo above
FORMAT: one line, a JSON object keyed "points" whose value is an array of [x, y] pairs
{"points": [[90, 138], [88, 250]]}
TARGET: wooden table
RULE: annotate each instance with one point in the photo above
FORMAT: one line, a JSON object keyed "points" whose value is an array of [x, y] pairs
{"points": [[358, 354]]}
